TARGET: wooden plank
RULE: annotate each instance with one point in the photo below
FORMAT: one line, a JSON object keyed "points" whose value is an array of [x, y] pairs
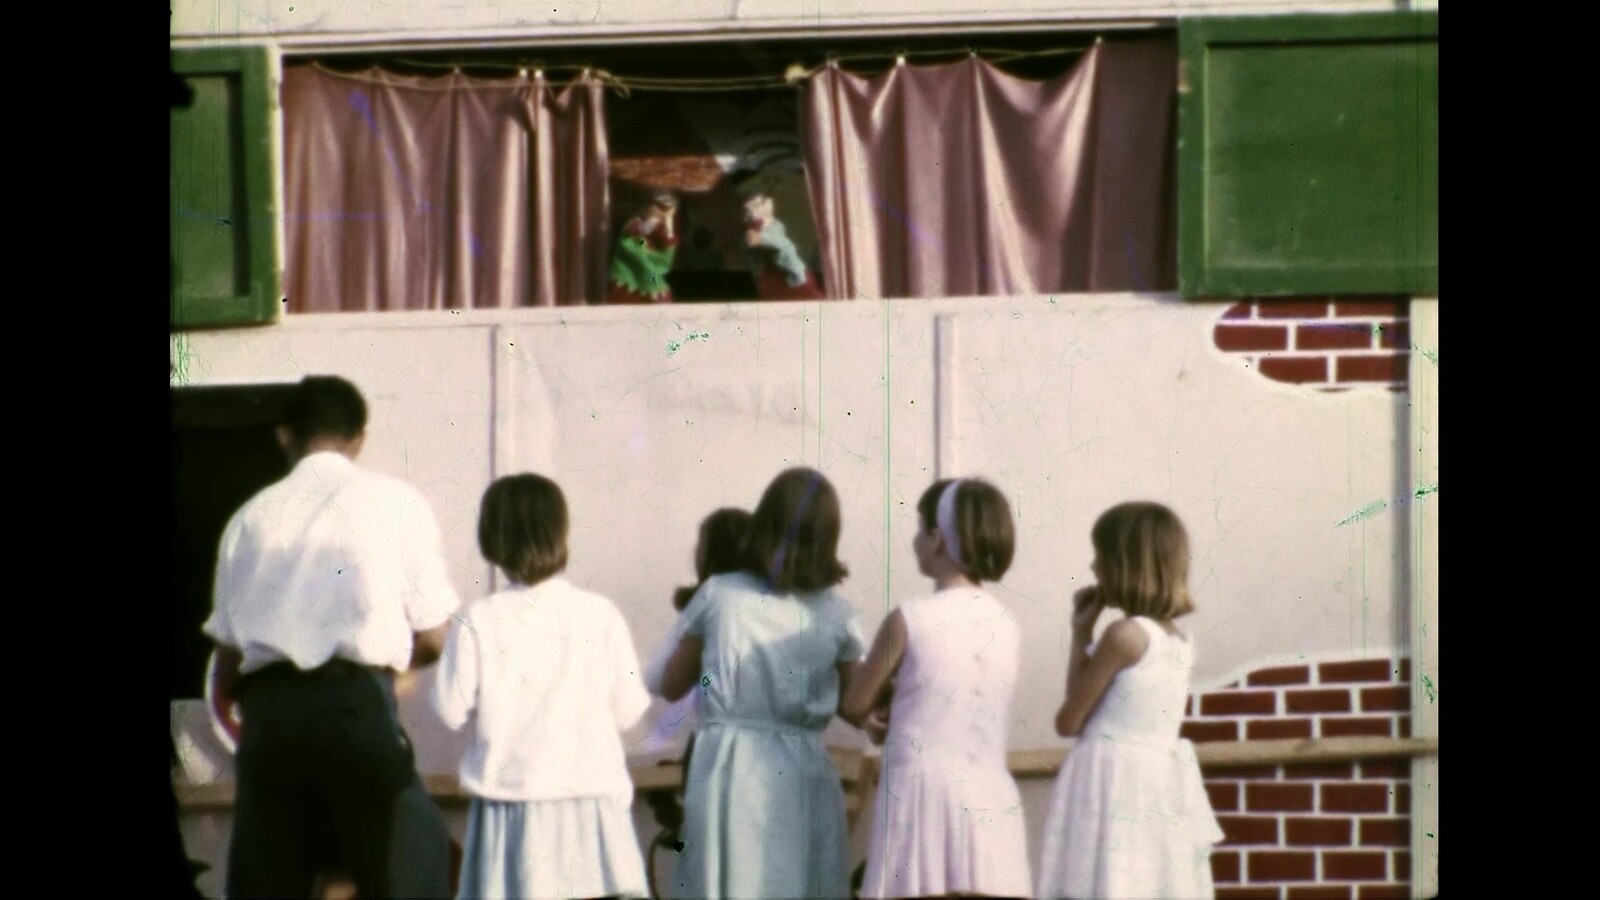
{"points": [[1240, 754], [1042, 763]]}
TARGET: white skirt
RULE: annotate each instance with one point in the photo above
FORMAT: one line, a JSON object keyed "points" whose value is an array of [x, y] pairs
{"points": [[939, 832], [1128, 821], [577, 847]]}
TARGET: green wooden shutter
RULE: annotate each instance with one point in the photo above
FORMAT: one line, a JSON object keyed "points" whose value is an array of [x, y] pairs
{"points": [[1309, 154], [224, 214]]}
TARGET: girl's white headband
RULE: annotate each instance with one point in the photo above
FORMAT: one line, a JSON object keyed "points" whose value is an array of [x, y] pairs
{"points": [[946, 520]]}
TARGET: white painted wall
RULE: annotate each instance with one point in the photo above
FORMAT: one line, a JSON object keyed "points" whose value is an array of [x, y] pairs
{"points": [[1070, 403], [649, 417]]}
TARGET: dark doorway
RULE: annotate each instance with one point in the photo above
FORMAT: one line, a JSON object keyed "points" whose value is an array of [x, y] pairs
{"points": [[223, 452]]}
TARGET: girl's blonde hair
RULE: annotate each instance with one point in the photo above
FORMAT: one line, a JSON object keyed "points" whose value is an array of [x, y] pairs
{"points": [[1143, 554]]}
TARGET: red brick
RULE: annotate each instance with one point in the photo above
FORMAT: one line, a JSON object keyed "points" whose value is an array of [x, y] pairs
{"points": [[1316, 701], [1386, 699], [1188, 706], [1224, 867], [1224, 795], [1405, 671], [1236, 338], [1320, 892], [1295, 369], [1276, 729], [1319, 770], [1282, 675], [1282, 865], [1338, 798], [1385, 832], [1247, 893], [1238, 703], [1367, 367], [1356, 670], [1385, 768], [1302, 832], [1402, 865], [1352, 865], [1394, 335], [1200, 732], [1384, 892], [1242, 310], [1356, 727], [1249, 829], [1402, 798], [1292, 309], [1283, 798], [1370, 307], [1403, 726], [1331, 336]]}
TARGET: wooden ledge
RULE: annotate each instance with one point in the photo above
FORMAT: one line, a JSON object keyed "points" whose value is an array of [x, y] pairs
{"points": [[854, 764]]}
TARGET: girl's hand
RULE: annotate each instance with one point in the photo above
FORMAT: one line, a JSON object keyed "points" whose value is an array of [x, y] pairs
{"points": [[877, 725], [1086, 609]]}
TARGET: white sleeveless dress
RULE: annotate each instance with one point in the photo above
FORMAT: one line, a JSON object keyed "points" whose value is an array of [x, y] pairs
{"points": [[948, 817], [1129, 816]]}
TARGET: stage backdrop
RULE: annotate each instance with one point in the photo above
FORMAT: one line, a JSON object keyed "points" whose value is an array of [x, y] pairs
{"points": [[1296, 495]]}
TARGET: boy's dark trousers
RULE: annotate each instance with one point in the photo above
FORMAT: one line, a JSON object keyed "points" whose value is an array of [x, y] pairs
{"points": [[326, 778]]}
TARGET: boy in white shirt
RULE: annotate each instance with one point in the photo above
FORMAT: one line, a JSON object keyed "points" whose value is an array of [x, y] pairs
{"points": [[328, 583]]}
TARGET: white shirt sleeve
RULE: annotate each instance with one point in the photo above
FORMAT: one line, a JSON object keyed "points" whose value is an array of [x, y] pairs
{"points": [[629, 699], [455, 685], [223, 589], [430, 598]]}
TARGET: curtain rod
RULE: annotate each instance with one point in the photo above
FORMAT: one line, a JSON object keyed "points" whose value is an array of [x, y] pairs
{"points": [[887, 29], [793, 75]]}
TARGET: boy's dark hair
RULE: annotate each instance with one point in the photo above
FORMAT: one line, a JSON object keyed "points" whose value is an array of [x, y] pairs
{"points": [[985, 532], [719, 549], [324, 406], [522, 527], [794, 534]]}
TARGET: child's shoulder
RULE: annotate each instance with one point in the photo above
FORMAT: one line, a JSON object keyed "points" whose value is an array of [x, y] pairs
{"points": [[733, 582], [574, 596]]}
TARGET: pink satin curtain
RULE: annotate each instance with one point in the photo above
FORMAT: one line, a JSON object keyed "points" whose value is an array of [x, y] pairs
{"points": [[960, 180], [448, 192]]}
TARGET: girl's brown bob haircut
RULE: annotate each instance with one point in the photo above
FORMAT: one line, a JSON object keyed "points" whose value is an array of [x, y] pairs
{"points": [[794, 534], [985, 532], [522, 527], [1143, 554]]}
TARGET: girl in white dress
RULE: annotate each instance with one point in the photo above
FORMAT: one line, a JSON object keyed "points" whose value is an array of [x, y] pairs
{"points": [[1129, 815], [546, 675], [948, 818]]}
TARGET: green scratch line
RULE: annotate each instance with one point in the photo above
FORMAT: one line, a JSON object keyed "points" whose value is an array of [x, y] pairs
{"points": [[1427, 685], [674, 346], [1378, 506], [1371, 509], [1431, 355], [182, 355]]}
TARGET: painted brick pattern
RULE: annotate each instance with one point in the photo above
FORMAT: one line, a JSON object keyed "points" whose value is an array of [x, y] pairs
{"points": [[1315, 830], [1324, 343]]}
